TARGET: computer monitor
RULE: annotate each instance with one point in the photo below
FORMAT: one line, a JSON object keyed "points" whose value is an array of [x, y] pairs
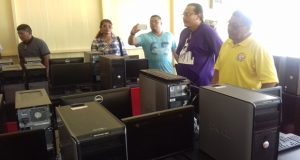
{"points": [[117, 101], [160, 134], [133, 67], [70, 74], [66, 60], [27, 145]]}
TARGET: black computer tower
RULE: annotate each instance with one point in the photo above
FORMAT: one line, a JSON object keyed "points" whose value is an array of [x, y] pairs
{"points": [[160, 90], [94, 59], [12, 80], [12, 74], [2, 120], [5, 62], [292, 75], [112, 71], [34, 112], [36, 76], [90, 132], [280, 64], [238, 124]]}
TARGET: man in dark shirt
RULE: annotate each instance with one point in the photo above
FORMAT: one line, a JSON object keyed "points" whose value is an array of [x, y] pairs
{"points": [[32, 46]]}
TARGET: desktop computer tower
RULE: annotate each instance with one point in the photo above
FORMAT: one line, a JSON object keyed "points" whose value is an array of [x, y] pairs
{"points": [[112, 71], [94, 58], [36, 76], [292, 75], [5, 62], [280, 64], [11, 80], [160, 90], [2, 120], [238, 124], [33, 112], [12, 74], [88, 131]]}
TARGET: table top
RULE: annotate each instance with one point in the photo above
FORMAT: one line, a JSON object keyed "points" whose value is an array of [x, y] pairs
{"points": [[197, 154]]}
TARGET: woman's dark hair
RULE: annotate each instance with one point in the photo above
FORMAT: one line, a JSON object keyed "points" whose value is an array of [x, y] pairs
{"points": [[198, 9], [99, 34]]}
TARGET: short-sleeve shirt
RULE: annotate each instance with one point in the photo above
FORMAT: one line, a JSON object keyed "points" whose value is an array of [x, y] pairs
{"points": [[100, 45], [158, 50], [35, 48], [246, 64], [204, 44]]}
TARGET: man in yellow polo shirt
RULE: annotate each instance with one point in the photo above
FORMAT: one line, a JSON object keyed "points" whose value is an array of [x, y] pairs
{"points": [[242, 62]]}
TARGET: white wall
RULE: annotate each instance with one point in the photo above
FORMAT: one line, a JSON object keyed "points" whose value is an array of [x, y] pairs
{"points": [[126, 13], [65, 25], [7, 29]]}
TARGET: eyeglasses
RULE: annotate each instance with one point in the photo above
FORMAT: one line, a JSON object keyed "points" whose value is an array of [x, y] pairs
{"points": [[235, 25], [186, 14]]}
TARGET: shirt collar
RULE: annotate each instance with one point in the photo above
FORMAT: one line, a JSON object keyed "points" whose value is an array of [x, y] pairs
{"points": [[245, 42]]}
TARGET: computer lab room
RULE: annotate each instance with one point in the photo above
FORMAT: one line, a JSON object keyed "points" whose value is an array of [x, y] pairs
{"points": [[145, 80]]}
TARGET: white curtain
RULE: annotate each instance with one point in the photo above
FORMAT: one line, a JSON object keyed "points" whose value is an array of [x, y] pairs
{"points": [[65, 25]]}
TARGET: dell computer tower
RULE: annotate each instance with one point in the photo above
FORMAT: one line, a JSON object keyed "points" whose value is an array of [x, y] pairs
{"points": [[12, 74], [12, 80], [88, 131], [292, 75], [33, 111], [36, 76], [112, 69], [2, 115], [5, 62], [238, 124], [280, 64], [94, 58], [160, 90]]}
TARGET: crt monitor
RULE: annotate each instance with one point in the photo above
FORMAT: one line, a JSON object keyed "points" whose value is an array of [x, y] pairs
{"points": [[160, 134], [133, 67], [70, 74], [26, 145], [117, 101], [66, 60]]}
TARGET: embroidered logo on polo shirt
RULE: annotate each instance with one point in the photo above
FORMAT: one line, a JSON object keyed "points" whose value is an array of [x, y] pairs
{"points": [[241, 57]]}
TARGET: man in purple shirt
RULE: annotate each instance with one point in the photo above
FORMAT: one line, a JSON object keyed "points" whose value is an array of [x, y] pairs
{"points": [[198, 47]]}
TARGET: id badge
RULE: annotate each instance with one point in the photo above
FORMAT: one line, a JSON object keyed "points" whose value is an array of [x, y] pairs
{"points": [[185, 57]]}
